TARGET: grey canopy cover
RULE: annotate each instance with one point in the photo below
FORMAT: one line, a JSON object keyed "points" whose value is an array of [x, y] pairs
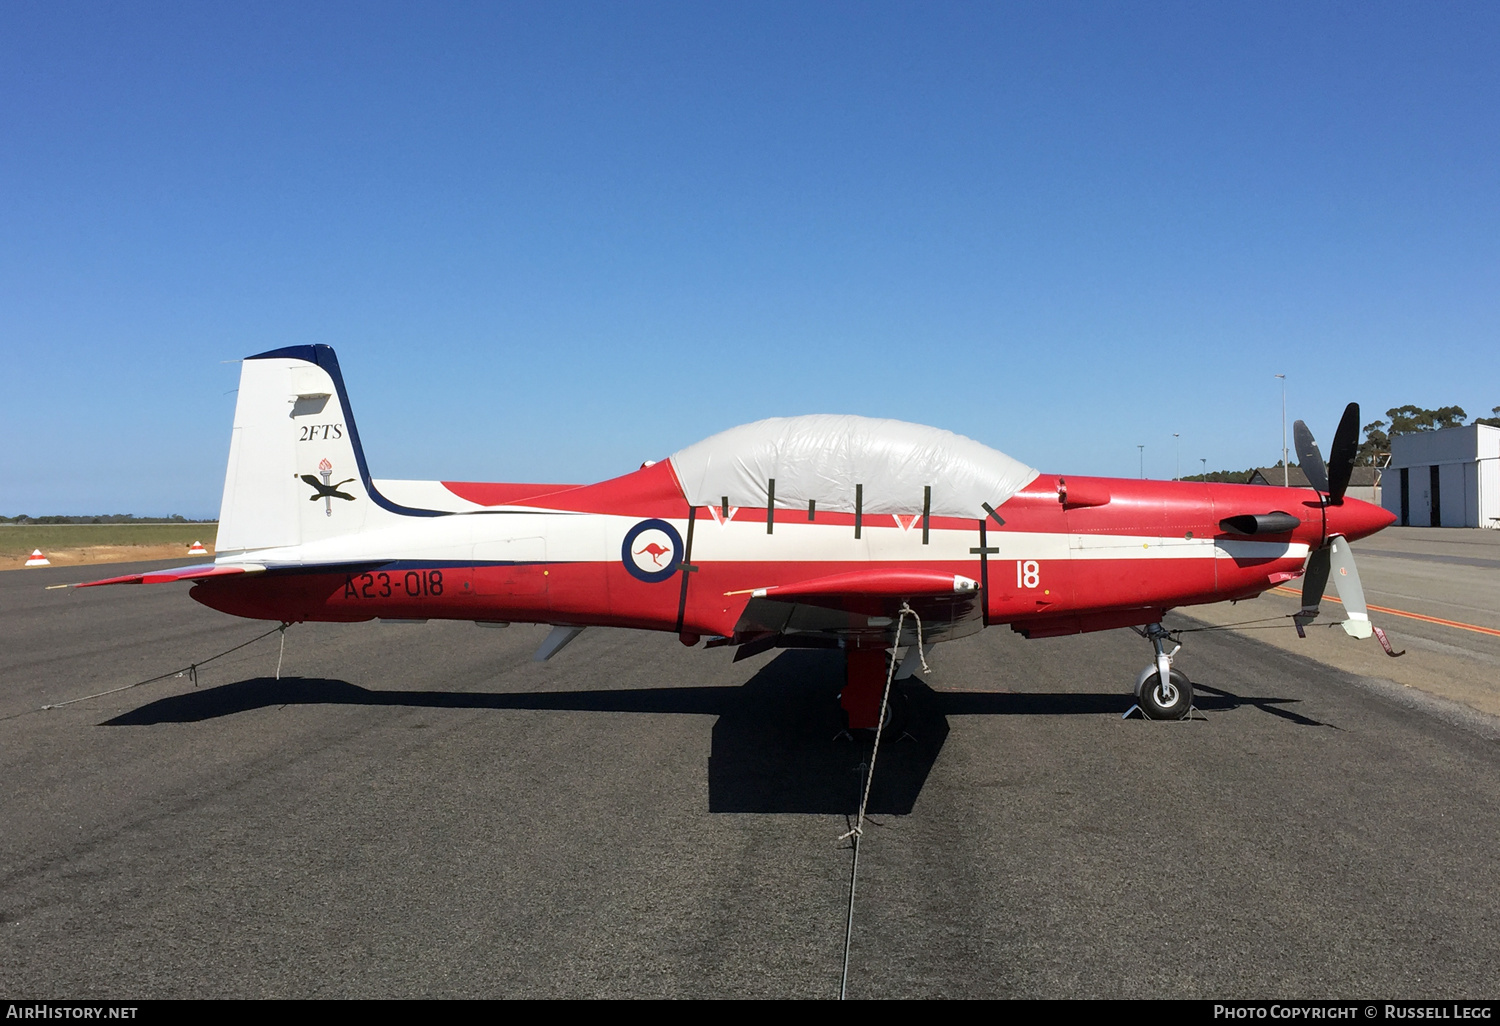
{"points": [[824, 456]]}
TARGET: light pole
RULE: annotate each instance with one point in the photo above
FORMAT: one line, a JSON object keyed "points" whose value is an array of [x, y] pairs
{"points": [[1143, 461], [1204, 460], [1286, 478], [1179, 456]]}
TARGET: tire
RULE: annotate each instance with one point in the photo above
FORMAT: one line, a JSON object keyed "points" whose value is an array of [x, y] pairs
{"points": [[1170, 706], [897, 714]]}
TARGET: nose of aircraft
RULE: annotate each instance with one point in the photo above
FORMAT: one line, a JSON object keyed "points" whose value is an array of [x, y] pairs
{"points": [[1355, 519]]}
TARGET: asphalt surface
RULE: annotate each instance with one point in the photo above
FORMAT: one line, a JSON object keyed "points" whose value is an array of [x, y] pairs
{"points": [[420, 810], [1443, 577]]}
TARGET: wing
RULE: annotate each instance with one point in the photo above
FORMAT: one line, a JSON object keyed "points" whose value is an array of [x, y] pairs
{"points": [[822, 612]]}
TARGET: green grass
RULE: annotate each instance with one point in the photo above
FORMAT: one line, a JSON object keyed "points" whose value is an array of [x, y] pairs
{"points": [[21, 539]]}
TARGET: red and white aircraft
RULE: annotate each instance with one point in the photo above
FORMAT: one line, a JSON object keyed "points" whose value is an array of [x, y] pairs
{"points": [[819, 531]]}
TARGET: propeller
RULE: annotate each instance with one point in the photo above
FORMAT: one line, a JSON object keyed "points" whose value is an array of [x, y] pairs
{"points": [[1338, 559], [1334, 556], [1331, 479]]}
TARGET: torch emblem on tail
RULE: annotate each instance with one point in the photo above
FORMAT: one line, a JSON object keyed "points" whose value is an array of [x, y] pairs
{"points": [[325, 471], [327, 491]]}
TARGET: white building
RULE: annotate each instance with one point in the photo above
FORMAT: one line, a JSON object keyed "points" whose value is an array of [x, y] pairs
{"points": [[1448, 478]]}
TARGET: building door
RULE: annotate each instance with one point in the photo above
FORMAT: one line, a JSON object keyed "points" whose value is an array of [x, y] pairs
{"points": [[1420, 513], [1405, 497], [1436, 520]]}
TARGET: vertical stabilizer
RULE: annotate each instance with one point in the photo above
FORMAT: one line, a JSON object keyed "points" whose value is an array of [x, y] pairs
{"points": [[297, 473]]}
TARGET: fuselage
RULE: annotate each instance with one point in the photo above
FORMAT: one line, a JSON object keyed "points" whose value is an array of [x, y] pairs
{"points": [[1063, 555]]}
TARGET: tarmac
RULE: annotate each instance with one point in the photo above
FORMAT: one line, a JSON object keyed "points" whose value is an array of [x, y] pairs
{"points": [[421, 810]]}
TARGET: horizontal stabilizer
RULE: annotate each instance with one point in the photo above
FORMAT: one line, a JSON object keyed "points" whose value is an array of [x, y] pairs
{"points": [[181, 573]]}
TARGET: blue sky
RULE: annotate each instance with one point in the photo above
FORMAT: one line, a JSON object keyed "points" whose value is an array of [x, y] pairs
{"points": [[550, 241]]}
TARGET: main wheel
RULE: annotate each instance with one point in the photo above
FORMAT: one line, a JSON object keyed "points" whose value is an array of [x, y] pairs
{"points": [[1171, 702], [897, 714]]}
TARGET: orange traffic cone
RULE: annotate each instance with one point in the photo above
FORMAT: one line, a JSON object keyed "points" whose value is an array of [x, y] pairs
{"points": [[197, 549], [37, 559]]}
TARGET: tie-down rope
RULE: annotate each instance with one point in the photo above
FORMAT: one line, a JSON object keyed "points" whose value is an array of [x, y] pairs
{"points": [[191, 670], [854, 835]]}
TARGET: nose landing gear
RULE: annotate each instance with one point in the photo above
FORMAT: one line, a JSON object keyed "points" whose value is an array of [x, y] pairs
{"points": [[1162, 693]]}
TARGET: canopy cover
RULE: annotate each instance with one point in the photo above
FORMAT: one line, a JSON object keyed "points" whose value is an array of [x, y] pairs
{"points": [[823, 457]]}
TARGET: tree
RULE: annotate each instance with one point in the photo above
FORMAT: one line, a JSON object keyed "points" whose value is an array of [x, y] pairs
{"points": [[1376, 442], [1406, 420], [1491, 421]]}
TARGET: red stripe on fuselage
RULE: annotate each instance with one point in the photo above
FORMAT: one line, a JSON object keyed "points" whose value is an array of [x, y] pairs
{"points": [[501, 493], [649, 492]]}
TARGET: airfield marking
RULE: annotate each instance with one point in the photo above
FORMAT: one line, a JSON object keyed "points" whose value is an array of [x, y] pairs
{"points": [[1413, 616]]}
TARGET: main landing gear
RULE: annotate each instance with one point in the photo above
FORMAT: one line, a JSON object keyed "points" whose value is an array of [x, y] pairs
{"points": [[1162, 693], [865, 671]]}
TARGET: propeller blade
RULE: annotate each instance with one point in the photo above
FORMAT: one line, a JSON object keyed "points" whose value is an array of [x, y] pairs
{"points": [[1351, 592], [1343, 454], [1309, 456], [1314, 579]]}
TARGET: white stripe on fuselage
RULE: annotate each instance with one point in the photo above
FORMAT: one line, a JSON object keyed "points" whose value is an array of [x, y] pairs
{"points": [[425, 495], [583, 537]]}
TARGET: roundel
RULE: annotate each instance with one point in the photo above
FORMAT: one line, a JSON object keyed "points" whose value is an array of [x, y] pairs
{"points": [[652, 551]]}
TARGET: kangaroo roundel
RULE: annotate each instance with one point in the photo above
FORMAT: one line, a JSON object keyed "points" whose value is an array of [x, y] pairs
{"points": [[652, 551]]}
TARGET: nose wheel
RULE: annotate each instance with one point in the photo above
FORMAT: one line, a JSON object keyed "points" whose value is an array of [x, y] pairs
{"points": [[1170, 701], [1162, 693]]}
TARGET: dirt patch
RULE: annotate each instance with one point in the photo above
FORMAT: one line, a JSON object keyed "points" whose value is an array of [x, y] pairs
{"points": [[89, 555]]}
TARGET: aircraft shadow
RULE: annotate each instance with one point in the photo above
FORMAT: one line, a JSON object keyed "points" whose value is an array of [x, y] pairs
{"points": [[776, 742]]}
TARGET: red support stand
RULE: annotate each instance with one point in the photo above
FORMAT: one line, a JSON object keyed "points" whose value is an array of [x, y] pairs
{"points": [[864, 686]]}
